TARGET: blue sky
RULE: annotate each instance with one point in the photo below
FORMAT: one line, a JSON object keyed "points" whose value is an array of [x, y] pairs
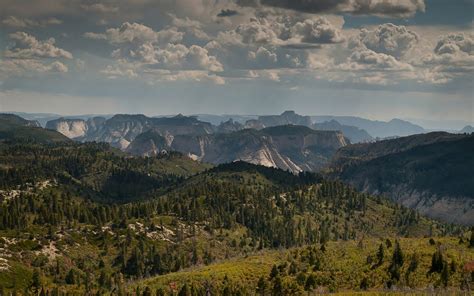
{"points": [[374, 58]]}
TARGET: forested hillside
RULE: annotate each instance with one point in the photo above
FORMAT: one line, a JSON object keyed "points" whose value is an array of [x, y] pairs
{"points": [[15, 128], [86, 219], [431, 173]]}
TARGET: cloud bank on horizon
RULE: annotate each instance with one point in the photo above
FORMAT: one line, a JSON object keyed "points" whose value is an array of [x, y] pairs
{"points": [[203, 55]]}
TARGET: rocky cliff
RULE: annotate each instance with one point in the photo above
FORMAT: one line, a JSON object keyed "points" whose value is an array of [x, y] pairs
{"points": [[294, 148], [71, 128], [121, 129]]}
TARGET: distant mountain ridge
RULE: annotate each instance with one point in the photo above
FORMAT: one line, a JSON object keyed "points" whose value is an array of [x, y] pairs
{"points": [[380, 129], [355, 134], [15, 128], [468, 129]]}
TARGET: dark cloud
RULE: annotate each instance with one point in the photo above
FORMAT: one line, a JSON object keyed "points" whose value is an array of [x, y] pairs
{"points": [[389, 8], [227, 13]]}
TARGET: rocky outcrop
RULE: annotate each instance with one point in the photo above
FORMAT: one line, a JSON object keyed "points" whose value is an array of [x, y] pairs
{"points": [[229, 126], [149, 143], [121, 129], [71, 128], [294, 148], [354, 134], [287, 117]]}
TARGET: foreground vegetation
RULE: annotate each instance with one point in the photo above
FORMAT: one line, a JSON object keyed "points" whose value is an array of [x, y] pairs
{"points": [[405, 264], [86, 219]]}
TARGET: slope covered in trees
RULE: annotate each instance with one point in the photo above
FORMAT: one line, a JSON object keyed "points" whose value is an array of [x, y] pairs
{"points": [[15, 128], [65, 226], [431, 173]]}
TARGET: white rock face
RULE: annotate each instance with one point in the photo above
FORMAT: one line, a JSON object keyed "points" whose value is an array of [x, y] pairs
{"points": [[123, 144], [71, 128]]}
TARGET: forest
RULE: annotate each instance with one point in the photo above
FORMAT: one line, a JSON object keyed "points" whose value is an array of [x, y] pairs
{"points": [[80, 219]]}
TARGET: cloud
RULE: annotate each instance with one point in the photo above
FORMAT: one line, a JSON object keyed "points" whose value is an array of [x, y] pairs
{"points": [[295, 31], [18, 22], [387, 38], [141, 51], [272, 75], [134, 33], [385, 8], [257, 31], [177, 57], [367, 59], [319, 31], [192, 27], [29, 67], [227, 13], [189, 75], [263, 56], [452, 57], [454, 44], [100, 8], [119, 70], [28, 47]]}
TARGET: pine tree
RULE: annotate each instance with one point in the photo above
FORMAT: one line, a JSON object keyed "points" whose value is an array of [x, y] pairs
{"points": [[310, 282], [277, 289], [36, 281], [471, 240], [397, 262], [398, 254], [274, 272], [147, 292], [261, 286], [184, 290], [445, 274], [437, 262], [380, 254]]}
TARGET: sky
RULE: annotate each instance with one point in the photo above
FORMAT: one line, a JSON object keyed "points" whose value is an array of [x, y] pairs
{"points": [[378, 59]]}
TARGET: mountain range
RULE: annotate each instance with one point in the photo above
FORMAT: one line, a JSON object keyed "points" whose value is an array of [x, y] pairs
{"points": [[92, 219], [423, 171], [376, 128]]}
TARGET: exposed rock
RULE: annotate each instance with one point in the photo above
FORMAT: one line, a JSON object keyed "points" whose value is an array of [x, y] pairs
{"points": [[71, 128], [294, 148]]}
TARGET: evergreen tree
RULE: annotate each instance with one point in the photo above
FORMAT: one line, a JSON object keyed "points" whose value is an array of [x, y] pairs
{"points": [[70, 277], [274, 272], [380, 254], [261, 286], [36, 280], [184, 290], [310, 282], [277, 289], [445, 274], [437, 262], [471, 240], [397, 262]]}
